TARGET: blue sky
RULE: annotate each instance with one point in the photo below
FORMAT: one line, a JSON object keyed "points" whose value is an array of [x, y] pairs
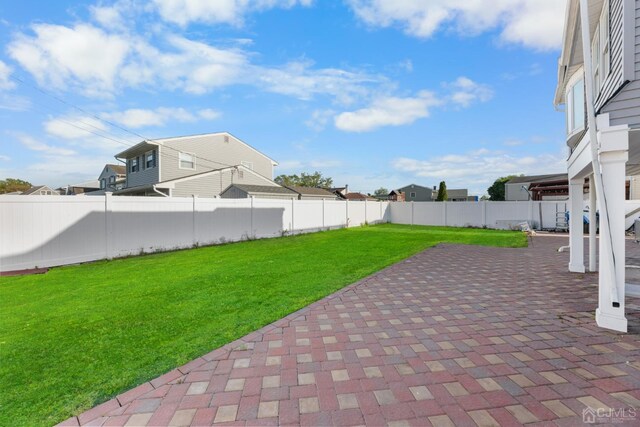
{"points": [[370, 92]]}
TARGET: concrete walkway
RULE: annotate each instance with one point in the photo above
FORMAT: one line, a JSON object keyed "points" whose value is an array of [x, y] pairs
{"points": [[456, 335]]}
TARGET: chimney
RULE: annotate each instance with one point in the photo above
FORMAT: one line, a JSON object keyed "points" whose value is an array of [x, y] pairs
{"points": [[346, 189]]}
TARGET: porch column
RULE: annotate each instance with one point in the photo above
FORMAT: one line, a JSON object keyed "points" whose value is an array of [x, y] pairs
{"points": [[612, 238], [576, 231], [592, 224]]}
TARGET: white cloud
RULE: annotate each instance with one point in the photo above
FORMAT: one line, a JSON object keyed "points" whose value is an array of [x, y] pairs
{"points": [[183, 12], [536, 24], [82, 55], [307, 166], [319, 119], [5, 77], [139, 118], [466, 92], [35, 145], [478, 169], [209, 114], [14, 102], [74, 127], [388, 111], [4, 158]]}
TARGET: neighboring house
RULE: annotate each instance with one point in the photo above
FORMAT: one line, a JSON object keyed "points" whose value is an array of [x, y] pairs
{"points": [[311, 193], [417, 193], [202, 165], [113, 177], [455, 195], [359, 197], [40, 190], [341, 192], [244, 191], [396, 196], [518, 188], [80, 188], [599, 86]]}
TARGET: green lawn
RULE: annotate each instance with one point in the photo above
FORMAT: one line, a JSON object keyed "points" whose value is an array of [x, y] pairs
{"points": [[79, 335]]}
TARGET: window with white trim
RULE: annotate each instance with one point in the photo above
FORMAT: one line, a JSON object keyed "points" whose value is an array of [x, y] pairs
{"points": [[187, 160], [600, 51], [575, 105], [413, 195], [150, 159], [103, 184], [135, 164]]}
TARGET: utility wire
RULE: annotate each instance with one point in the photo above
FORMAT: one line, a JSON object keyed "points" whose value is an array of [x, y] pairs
{"points": [[145, 139]]}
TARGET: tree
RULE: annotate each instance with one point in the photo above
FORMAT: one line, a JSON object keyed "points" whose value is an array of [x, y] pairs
{"points": [[10, 185], [381, 192], [496, 191], [305, 180], [442, 192]]}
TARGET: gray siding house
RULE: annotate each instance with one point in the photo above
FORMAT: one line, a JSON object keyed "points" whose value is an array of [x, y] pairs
{"points": [[599, 87], [417, 193], [245, 191], [202, 165]]}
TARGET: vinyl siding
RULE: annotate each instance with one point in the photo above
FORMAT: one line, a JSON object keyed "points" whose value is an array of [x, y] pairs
{"points": [[613, 81], [142, 177], [625, 107], [514, 192], [423, 194], [211, 152], [214, 184]]}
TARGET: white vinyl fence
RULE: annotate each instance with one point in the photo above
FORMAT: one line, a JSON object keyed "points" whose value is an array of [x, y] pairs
{"points": [[504, 215], [45, 231]]}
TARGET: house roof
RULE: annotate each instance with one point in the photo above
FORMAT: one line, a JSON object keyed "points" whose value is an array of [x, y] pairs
{"points": [[414, 186], [93, 183], [358, 196], [147, 144], [35, 189], [119, 169], [396, 192], [311, 191], [537, 178], [262, 189]]}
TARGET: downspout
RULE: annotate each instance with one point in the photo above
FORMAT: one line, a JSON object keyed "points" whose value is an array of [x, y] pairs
{"points": [[593, 136], [155, 190]]}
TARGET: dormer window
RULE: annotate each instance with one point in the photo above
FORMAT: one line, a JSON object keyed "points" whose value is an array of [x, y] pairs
{"points": [[575, 104]]}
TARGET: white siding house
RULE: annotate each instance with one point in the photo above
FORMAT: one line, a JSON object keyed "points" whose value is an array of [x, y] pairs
{"points": [[599, 86]]}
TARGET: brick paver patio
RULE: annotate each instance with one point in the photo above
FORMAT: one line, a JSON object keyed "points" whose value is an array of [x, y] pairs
{"points": [[456, 335]]}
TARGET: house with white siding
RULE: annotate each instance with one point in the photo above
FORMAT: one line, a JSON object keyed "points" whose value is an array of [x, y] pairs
{"points": [[202, 165], [599, 87]]}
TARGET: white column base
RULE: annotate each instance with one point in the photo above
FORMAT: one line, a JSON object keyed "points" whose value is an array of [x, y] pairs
{"points": [[576, 268], [613, 322]]}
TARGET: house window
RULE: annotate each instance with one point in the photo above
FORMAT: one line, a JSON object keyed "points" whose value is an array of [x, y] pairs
{"points": [[575, 106], [248, 165], [187, 161], [135, 164], [112, 179], [151, 159], [412, 195], [600, 51], [103, 184]]}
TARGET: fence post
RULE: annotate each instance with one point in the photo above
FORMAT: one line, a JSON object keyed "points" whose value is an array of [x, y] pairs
{"points": [[292, 214], [323, 213], [444, 211], [251, 234], [107, 225], [365, 210], [412, 212], [380, 215], [346, 220], [193, 219], [484, 213]]}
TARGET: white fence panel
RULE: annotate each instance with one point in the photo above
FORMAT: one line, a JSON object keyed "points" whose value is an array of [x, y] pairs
{"points": [[268, 217], [465, 214], [399, 214], [356, 213], [428, 213], [335, 213], [39, 231]]}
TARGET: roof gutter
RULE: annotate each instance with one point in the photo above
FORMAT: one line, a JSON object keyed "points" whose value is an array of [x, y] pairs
{"points": [[593, 136], [155, 190]]}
